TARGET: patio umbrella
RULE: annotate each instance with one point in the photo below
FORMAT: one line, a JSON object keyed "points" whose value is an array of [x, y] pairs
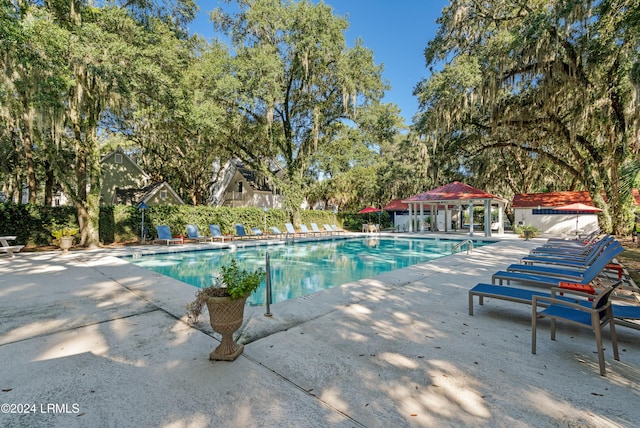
{"points": [[578, 208], [368, 210]]}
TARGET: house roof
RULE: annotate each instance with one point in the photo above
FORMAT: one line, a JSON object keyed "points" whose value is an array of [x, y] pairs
{"points": [[396, 205], [455, 191], [134, 196], [119, 150], [550, 199]]}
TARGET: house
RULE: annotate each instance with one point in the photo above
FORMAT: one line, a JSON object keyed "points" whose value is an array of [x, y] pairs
{"points": [[124, 182], [236, 185], [399, 213], [540, 211]]}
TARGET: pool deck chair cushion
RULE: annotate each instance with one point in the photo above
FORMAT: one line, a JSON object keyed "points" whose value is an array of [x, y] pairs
{"points": [[9, 249], [164, 235], [513, 294]]}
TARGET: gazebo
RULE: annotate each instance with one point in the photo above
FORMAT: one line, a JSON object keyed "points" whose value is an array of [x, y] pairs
{"points": [[452, 198]]}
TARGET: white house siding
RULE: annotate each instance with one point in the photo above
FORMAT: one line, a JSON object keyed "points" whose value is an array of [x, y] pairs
{"points": [[556, 224]]}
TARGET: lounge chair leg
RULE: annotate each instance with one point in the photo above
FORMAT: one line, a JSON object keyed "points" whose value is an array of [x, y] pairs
{"points": [[534, 326], [614, 339], [598, 334]]}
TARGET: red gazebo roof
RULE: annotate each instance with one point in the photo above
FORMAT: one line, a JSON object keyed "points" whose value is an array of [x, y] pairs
{"points": [[396, 205], [455, 191]]}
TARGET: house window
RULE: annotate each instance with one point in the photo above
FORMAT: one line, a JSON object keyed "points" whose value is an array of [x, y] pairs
{"points": [[239, 186], [551, 211], [118, 158], [163, 194]]}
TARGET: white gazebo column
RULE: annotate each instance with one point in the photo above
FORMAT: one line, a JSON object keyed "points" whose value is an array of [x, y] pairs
{"points": [[421, 217], [410, 217], [500, 218], [434, 218], [471, 219], [447, 218], [487, 217]]}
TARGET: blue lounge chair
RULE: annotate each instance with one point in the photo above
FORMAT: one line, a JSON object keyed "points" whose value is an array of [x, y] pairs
{"points": [[164, 234], [306, 231], [276, 232], [328, 229], [568, 259], [595, 317], [574, 272], [336, 230], [315, 229], [258, 233], [216, 233], [242, 233], [291, 230], [194, 234], [572, 250], [625, 314], [552, 280]]}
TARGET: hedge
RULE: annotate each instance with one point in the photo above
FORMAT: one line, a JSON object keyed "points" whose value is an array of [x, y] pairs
{"points": [[122, 224]]}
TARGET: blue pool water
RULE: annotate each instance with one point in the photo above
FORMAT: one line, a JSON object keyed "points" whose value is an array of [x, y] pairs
{"points": [[302, 268]]}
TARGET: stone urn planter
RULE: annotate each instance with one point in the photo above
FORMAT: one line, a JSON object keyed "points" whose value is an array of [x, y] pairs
{"points": [[225, 302], [226, 316], [63, 235], [65, 243]]}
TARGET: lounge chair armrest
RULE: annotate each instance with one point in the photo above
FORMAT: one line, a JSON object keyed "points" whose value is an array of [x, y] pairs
{"points": [[561, 302], [558, 290]]}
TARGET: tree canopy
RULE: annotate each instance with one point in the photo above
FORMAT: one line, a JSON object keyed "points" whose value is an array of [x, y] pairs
{"points": [[535, 95]]}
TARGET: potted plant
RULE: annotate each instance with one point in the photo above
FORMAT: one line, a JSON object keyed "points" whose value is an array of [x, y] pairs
{"points": [[527, 232], [225, 301], [63, 235]]}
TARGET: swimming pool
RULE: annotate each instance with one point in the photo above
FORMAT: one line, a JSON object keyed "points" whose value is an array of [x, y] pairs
{"points": [[302, 268]]}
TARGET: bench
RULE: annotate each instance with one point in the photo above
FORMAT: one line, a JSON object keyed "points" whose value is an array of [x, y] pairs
{"points": [[9, 249]]}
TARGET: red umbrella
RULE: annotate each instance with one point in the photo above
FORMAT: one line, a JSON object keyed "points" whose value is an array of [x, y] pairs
{"points": [[578, 208], [368, 210]]}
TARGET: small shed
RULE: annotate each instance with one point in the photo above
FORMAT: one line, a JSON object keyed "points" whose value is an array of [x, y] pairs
{"points": [[446, 205], [540, 211], [399, 212]]}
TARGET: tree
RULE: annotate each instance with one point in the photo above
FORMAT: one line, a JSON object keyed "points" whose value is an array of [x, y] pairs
{"points": [[296, 80], [536, 83]]}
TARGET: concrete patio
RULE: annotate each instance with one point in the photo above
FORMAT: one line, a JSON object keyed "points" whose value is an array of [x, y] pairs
{"points": [[87, 339]]}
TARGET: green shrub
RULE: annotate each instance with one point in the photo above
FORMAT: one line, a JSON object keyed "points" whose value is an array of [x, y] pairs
{"points": [[123, 223]]}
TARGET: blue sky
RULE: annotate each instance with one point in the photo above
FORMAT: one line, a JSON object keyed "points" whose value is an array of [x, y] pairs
{"points": [[396, 30]]}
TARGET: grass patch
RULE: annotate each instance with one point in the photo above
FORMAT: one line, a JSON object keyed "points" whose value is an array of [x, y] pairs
{"points": [[630, 258]]}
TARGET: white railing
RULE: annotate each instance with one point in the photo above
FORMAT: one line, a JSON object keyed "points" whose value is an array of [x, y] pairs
{"points": [[469, 243]]}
